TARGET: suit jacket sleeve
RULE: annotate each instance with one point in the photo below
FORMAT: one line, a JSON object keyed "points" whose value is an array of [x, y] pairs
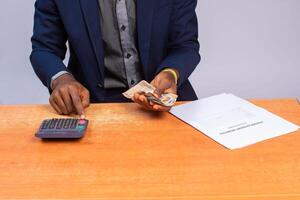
{"points": [[48, 41], [183, 45]]}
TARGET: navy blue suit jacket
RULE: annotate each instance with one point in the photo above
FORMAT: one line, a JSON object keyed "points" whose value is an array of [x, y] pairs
{"points": [[167, 37]]}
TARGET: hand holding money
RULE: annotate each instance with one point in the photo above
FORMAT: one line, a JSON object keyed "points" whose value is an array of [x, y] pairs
{"points": [[160, 95]]}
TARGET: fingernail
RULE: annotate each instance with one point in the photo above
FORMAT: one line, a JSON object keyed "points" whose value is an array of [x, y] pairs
{"points": [[82, 116]]}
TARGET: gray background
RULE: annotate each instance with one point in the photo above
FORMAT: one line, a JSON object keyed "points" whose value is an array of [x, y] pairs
{"points": [[249, 47]]}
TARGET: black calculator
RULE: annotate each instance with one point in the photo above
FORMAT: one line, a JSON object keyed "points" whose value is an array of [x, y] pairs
{"points": [[67, 128]]}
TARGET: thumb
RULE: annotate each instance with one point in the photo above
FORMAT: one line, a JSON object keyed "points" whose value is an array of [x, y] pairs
{"points": [[161, 87]]}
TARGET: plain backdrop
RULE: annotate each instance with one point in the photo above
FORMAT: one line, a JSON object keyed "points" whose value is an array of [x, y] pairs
{"points": [[249, 47]]}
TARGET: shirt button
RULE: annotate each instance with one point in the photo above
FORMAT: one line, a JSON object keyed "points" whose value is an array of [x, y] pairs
{"points": [[132, 82], [123, 28], [128, 55]]}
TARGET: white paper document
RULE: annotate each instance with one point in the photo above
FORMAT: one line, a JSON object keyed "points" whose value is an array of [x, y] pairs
{"points": [[232, 121]]}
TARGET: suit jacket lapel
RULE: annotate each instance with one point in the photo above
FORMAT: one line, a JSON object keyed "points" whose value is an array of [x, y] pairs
{"points": [[145, 9], [90, 10]]}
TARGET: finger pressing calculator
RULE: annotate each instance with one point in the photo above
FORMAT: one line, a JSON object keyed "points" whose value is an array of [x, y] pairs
{"points": [[68, 128]]}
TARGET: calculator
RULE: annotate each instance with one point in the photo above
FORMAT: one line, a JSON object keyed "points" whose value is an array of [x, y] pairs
{"points": [[67, 128]]}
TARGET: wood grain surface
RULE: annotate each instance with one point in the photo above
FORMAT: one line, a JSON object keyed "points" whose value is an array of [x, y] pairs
{"points": [[128, 153]]}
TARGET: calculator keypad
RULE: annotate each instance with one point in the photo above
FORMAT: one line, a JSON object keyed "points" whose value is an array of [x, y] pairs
{"points": [[62, 128]]}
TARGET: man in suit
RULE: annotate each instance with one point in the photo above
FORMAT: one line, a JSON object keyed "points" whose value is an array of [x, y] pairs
{"points": [[113, 45]]}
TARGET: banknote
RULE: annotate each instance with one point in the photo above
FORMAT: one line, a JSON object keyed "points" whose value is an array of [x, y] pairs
{"points": [[165, 99], [142, 86], [148, 90]]}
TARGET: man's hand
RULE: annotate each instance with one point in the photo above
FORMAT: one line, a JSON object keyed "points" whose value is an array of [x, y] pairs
{"points": [[164, 82], [69, 96]]}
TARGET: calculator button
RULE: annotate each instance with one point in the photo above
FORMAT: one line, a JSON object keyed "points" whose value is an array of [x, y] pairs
{"points": [[81, 127], [82, 122], [53, 123], [73, 123], [45, 124], [67, 124], [59, 124]]}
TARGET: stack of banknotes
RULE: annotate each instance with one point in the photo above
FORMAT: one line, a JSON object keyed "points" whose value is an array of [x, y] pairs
{"points": [[147, 89]]}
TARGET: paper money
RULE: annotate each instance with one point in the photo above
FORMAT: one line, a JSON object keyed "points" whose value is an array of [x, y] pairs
{"points": [[142, 86], [147, 89], [168, 99], [165, 99]]}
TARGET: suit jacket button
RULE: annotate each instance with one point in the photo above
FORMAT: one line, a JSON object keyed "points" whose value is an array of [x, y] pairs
{"points": [[100, 85]]}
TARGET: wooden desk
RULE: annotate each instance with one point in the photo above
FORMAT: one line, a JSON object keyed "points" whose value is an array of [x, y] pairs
{"points": [[128, 153]]}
